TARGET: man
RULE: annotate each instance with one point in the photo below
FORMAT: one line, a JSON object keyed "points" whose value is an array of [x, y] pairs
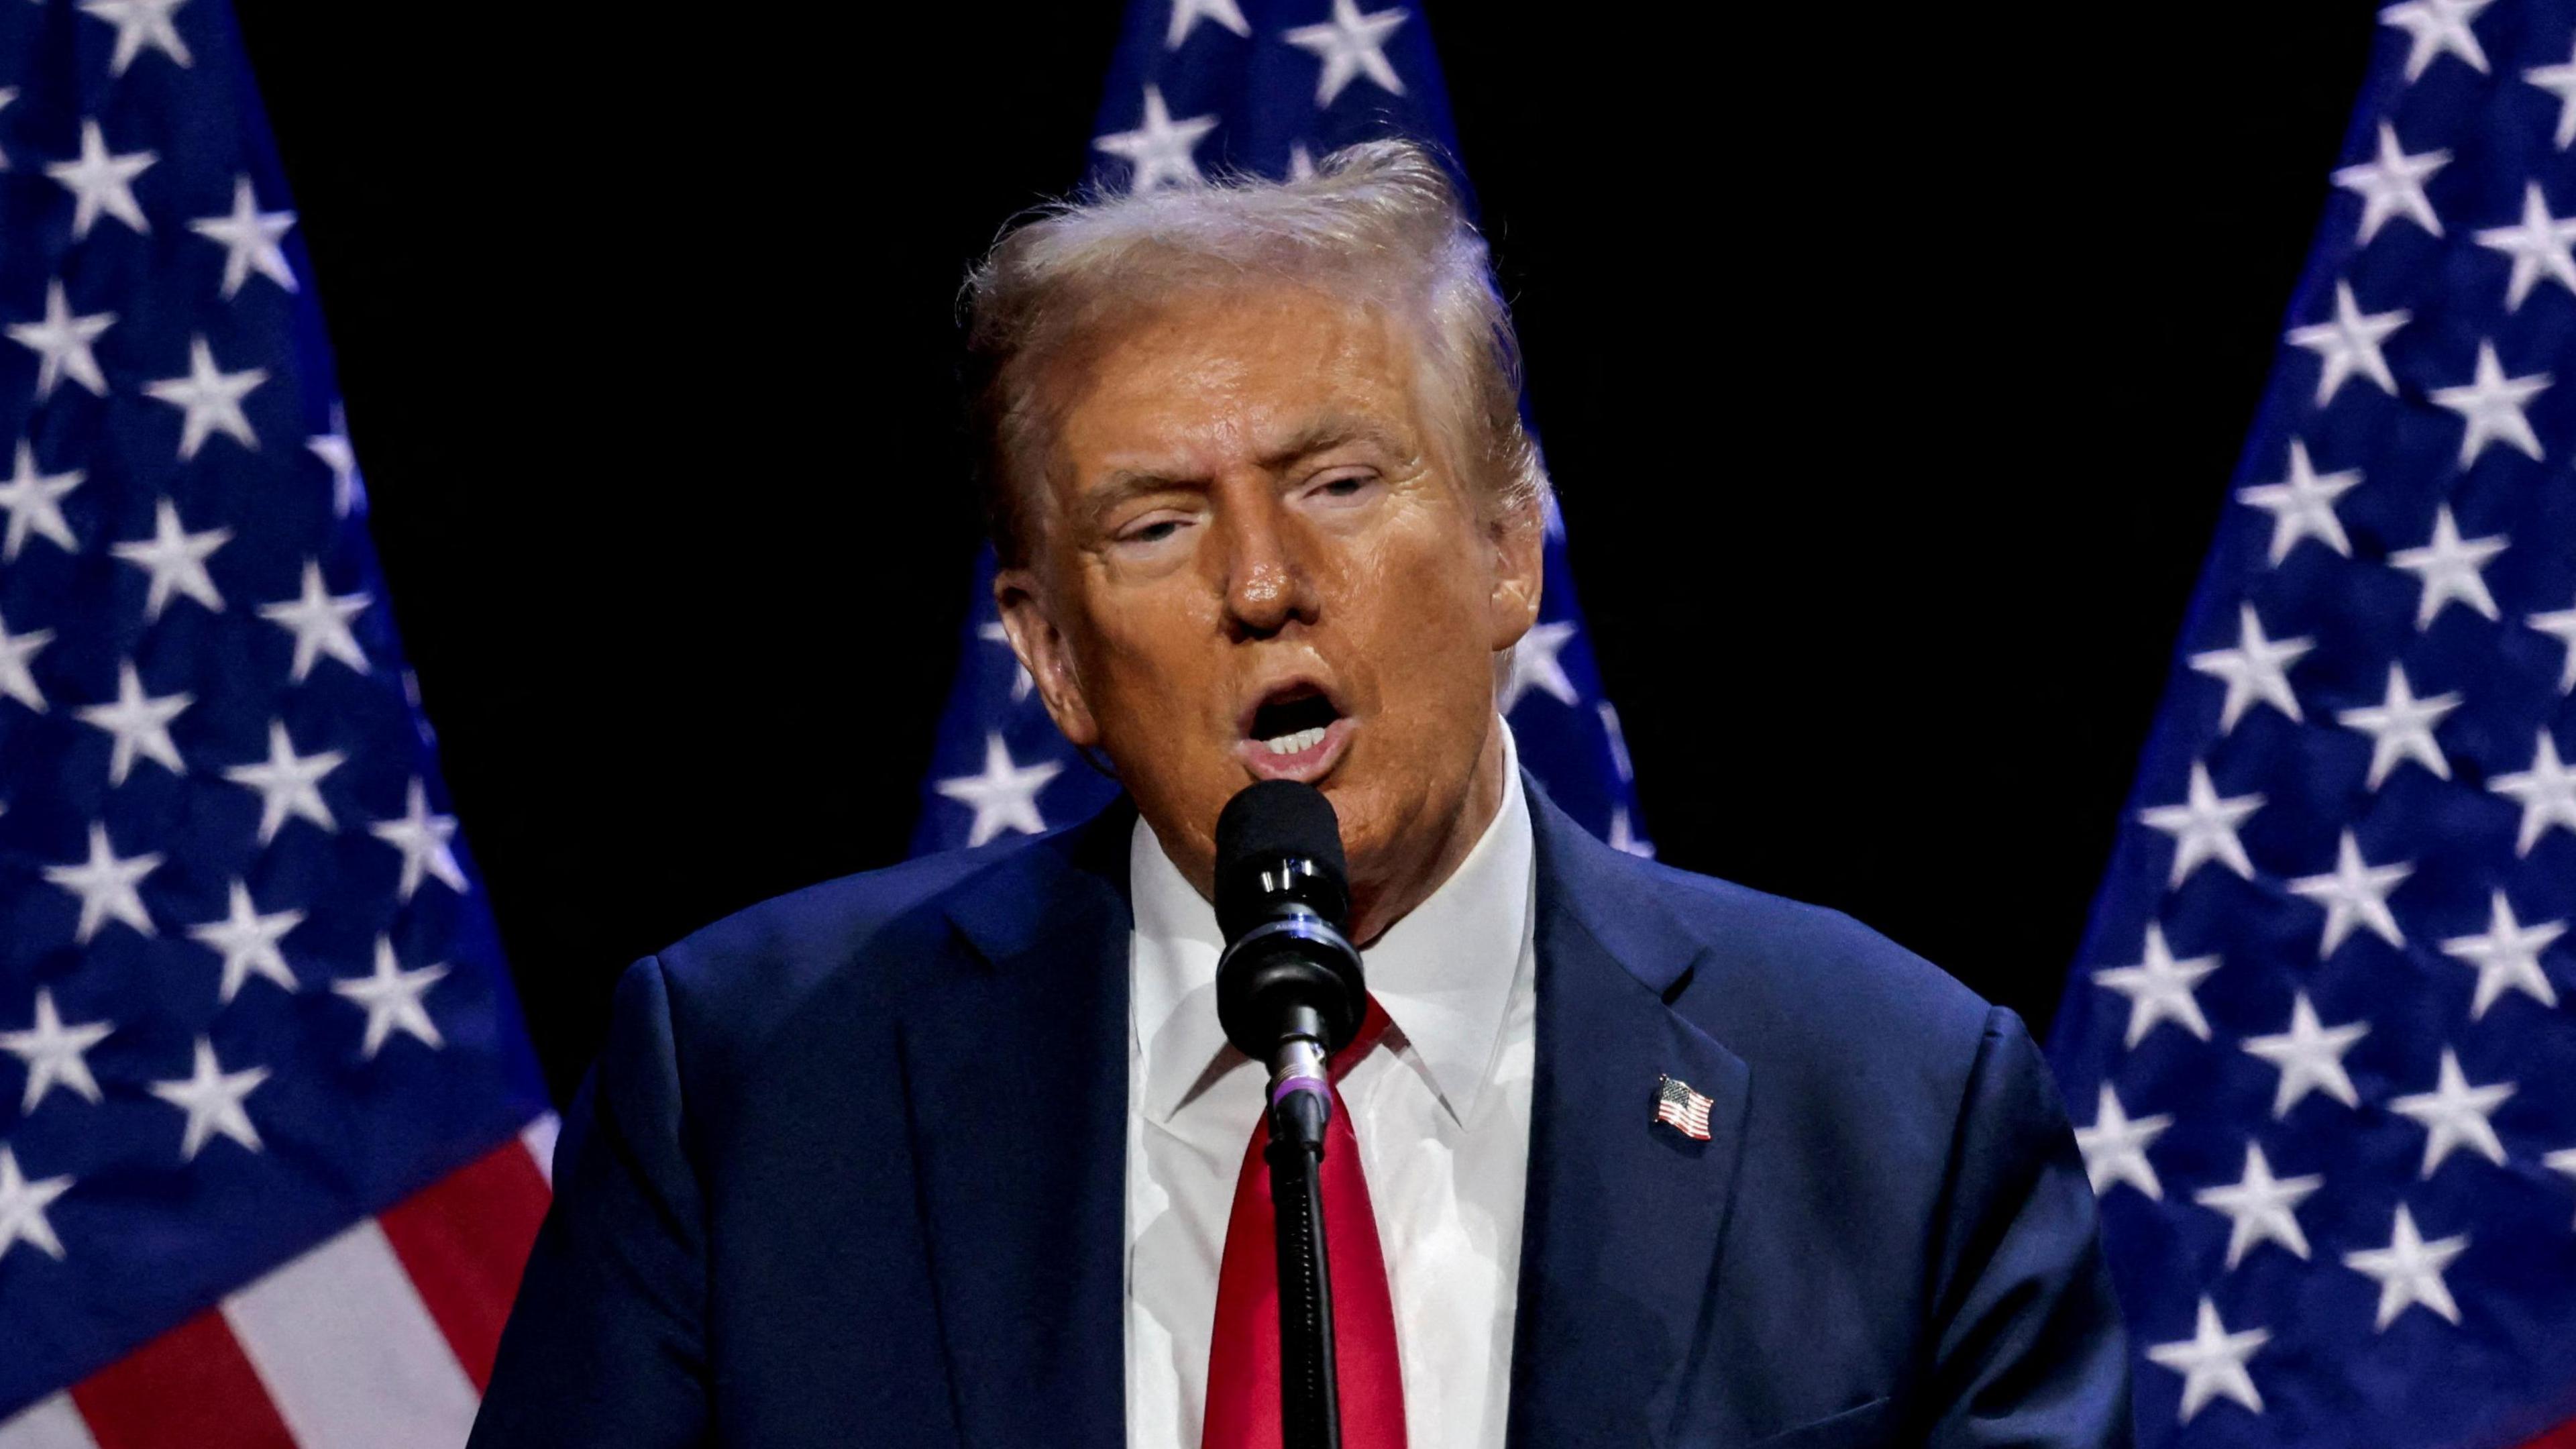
{"points": [[948, 1154]]}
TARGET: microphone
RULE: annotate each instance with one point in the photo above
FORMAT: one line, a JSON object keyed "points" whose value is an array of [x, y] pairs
{"points": [[1289, 993], [1288, 988]]}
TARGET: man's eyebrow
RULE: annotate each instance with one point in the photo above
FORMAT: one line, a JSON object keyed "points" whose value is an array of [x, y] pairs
{"points": [[1122, 484], [1329, 431]]}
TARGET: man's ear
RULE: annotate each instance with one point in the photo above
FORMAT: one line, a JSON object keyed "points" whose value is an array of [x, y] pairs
{"points": [[1044, 653], [1520, 570]]}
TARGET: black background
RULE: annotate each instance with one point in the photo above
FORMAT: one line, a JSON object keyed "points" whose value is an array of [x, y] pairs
{"points": [[1892, 363]]}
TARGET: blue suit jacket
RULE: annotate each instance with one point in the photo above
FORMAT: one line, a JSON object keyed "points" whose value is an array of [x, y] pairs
{"points": [[851, 1170]]}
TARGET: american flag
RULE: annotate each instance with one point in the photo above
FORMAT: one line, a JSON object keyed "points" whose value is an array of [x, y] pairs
{"points": [[2317, 1039], [1685, 1110], [272, 1144], [1198, 88]]}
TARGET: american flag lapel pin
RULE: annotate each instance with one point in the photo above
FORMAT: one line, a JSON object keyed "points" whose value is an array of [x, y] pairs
{"points": [[1681, 1109]]}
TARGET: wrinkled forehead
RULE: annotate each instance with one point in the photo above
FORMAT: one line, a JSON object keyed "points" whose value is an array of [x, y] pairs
{"points": [[1211, 379]]}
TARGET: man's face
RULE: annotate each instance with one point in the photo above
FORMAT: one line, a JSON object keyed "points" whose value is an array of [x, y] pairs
{"points": [[1254, 560]]}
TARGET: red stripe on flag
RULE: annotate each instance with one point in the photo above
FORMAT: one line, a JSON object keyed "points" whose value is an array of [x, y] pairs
{"points": [[2562, 1437], [464, 1240], [191, 1388]]}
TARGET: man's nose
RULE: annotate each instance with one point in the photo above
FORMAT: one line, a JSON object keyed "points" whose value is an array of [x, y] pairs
{"points": [[1268, 584]]}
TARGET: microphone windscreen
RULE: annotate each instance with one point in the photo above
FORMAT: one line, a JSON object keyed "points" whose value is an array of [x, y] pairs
{"points": [[1266, 822]]}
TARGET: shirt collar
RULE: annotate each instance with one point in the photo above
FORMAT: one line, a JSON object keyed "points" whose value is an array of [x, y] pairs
{"points": [[1443, 973]]}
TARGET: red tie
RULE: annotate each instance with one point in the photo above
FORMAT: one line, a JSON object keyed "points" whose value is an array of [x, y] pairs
{"points": [[1243, 1363]]}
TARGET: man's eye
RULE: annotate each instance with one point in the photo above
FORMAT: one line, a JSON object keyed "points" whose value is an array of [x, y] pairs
{"points": [[1345, 486], [1154, 532]]}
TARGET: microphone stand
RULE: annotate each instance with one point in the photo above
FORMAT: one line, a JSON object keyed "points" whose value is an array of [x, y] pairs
{"points": [[1310, 1407]]}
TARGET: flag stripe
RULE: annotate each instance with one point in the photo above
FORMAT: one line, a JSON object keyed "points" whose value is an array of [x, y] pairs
{"points": [[349, 1352], [190, 1388], [49, 1423], [540, 1138], [463, 1240]]}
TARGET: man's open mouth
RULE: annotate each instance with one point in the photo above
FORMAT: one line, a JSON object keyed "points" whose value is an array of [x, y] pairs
{"points": [[1295, 733], [1294, 722]]}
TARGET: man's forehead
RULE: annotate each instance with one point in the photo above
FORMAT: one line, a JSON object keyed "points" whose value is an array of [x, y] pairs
{"points": [[1236, 392]]}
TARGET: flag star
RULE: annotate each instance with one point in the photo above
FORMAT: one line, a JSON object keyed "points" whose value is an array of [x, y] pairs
{"points": [[2204, 827], [2303, 505], [22, 1208], [2450, 567], [2354, 892], [2159, 988], [2559, 81], [101, 182], [1618, 739], [319, 620], [423, 840], [62, 342], [212, 399], [2538, 245], [2546, 792], [247, 941], [1005, 796], [2115, 1147], [1021, 683], [392, 998], [2401, 728], [2490, 406], [106, 884], [1186, 14], [1535, 665], [2393, 185], [1301, 162], [1624, 836], [250, 239], [54, 1054], [176, 559], [1351, 45], [2309, 1057], [288, 783], [348, 490], [17, 680], [1159, 151], [2212, 1362], [2256, 670], [212, 1098], [2454, 1114], [2437, 27], [34, 502], [2262, 1208], [2562, 627], [140, 723], [2561, 1161], [2350, 344], [2507, 957], [2409, 1271], [140, 23]]}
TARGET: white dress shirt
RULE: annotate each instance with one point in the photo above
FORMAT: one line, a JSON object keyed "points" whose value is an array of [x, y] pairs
{"points": [[1441, 1106]]}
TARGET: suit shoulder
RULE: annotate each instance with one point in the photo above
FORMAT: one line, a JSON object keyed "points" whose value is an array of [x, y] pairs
{"points": [[732, 982], [1810, 972]]}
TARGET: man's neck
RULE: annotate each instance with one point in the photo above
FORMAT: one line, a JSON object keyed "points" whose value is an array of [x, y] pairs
{"points": [[1379, 904]]}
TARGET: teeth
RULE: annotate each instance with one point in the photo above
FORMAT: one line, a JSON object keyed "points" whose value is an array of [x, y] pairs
{"points": [[1297, 743]]}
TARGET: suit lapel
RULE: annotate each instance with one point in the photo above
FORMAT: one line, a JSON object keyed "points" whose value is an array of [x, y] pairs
{"points": [[1625, 1217], [1015, 1065]]}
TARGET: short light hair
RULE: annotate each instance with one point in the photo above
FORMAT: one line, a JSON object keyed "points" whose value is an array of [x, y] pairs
{"points": [[1379, 224]]}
